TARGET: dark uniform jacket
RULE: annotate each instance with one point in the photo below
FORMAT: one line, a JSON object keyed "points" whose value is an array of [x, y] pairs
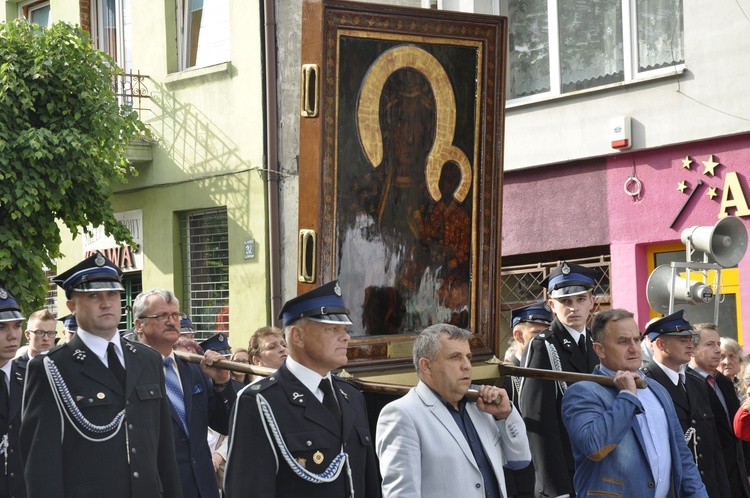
{"points": [[734, 460], [518, 483], [256, 467], [540, 406], [12, 483], [203, 407], [694, 410], [60, 462]]}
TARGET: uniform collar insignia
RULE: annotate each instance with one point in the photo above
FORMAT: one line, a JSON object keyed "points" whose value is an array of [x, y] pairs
{"points": [[79, 355], [346, 396], [567, 342], [298, 397], [131, 348], [19, 377]]}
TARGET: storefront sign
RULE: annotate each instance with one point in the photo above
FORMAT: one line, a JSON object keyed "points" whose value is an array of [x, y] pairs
{"points": [[127, 257]]}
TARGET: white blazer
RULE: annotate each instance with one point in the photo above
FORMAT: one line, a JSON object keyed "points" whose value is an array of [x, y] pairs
{"points": [[423, 452]]}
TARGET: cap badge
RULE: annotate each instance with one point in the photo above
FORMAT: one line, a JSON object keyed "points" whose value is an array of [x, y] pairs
{"points": [[318, 458], [220, 338], [3, 293], [547, 308], [684, 315], [337, 289], [565, 269], [99, 260]]}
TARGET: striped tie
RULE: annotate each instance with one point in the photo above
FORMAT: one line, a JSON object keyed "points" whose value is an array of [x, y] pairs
{"points": [[174, 391]]}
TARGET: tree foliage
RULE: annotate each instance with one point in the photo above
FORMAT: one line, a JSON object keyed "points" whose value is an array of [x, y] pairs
{"points": [[62, 136]]}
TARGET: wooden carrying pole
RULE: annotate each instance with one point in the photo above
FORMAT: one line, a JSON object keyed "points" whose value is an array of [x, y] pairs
{"points": [[400, 389]]}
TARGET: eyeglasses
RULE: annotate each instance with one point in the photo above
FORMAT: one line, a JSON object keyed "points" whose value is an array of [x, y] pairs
{"points": [[241, 361], [41, 333], [163, 317]]}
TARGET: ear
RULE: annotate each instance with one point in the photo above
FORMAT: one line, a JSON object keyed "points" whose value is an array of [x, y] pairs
{"points": [[27, 333], [518, 335], [599, 350], [71, 306], [295, 336], [424, 365], [257, 361]]}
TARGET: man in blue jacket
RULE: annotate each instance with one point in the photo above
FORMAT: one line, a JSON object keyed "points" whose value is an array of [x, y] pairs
{"points": [[626, 441], [199, 396]]}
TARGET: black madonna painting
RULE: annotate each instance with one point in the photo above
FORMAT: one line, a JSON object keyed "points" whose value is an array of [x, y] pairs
{"points": [[412, 149]]}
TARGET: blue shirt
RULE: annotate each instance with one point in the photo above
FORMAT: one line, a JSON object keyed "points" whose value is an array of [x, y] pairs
{"points": [[653, 424]]}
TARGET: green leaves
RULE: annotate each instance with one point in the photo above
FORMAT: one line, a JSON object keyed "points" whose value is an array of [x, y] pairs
{"points": [[61, 136]]}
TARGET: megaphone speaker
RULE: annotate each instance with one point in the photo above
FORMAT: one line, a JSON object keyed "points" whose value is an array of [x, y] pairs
{"points": [[685, 292], [725, 242]]}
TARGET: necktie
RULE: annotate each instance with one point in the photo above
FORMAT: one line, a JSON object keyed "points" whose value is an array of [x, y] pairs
{"points": [[711, 381], [582, 344], [114, 365], [329, 399], [174, 392]]}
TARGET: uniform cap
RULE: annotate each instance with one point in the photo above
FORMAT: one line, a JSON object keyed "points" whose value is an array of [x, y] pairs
{"points": [[569, 279], [10, 311], [69, 323], [674, 324], [93, 274], [186, 326], [535, 313], [219, 343], [323, 304]]}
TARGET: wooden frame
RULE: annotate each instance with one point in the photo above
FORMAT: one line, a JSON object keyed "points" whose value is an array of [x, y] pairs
{"points": [[401, 170]]}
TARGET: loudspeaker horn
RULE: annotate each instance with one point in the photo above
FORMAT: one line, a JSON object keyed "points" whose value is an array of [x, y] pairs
{"points": [[725, 242], [658, 286]]}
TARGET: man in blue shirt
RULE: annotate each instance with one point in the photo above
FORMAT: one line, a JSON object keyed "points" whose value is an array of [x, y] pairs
{"points": [[626, 441]]}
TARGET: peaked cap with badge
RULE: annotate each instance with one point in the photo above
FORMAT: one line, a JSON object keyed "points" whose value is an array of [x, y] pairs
{"points": [[219, 343], [186, 326], [674, 324], [323, 304], [69, 323], [533, 313], [10, 311], [93, 274], [569, 279]]}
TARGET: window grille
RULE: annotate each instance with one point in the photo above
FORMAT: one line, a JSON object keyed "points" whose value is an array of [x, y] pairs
{"points": [[204, 241], [50, 297], [133, 284]]}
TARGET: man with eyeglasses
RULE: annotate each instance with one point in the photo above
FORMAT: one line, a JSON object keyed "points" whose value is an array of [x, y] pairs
{"points": [[40, 332], [200, 396], [95, 419]]}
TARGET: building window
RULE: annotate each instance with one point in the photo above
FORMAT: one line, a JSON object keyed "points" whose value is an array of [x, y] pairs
{"points": [[50, 297], [205, 257], [133, 284], [558, 47], [35, 12], [111, 30], [203, 27]]}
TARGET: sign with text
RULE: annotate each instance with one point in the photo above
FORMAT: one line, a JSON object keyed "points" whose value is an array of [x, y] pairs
{"points": [[127, 257]]}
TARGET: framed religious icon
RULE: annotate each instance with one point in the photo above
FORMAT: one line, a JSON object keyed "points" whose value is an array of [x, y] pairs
{"points": [[401, 170]]}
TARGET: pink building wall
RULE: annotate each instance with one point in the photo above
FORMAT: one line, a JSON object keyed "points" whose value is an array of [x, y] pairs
{"points": [[636, 222]]}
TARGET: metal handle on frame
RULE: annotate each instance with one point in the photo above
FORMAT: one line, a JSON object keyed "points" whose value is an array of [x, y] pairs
{"points": [[306, 256], [309, 91]]}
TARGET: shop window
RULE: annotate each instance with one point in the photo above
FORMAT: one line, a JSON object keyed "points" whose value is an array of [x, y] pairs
{"points": [[729, 314], [558, 47], [203, 32], [204, 241]]}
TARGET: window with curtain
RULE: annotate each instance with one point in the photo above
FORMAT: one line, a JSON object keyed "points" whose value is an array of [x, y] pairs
{"points": [[36, 12], [203, 32], [558, 47]]}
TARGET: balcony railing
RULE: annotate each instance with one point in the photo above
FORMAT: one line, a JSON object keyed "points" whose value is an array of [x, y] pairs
{"points": [[131, 91]]}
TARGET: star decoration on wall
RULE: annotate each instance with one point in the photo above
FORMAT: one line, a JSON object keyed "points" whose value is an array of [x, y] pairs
{"points": [[710, 165], [681, 186], [711, 192], [687, 162]]}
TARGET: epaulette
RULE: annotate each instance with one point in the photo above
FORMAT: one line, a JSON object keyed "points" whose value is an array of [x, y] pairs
{"points": [[261, 385]]}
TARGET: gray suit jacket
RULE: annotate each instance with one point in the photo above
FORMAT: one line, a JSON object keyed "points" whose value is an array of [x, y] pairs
{"points": [[423, 452]]}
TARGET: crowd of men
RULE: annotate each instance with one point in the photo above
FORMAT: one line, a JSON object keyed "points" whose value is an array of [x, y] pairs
{"points": [[100, 415]]}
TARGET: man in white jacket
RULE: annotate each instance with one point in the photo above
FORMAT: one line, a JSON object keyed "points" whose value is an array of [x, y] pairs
{"points": [[433, 442]]}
